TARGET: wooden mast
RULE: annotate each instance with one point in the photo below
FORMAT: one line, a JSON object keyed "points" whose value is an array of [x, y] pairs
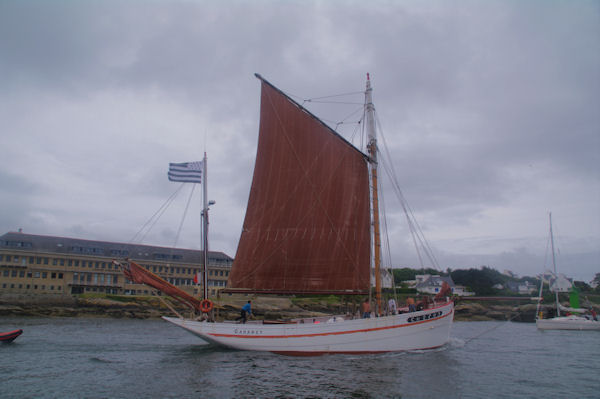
{"points": [[372, 146]]}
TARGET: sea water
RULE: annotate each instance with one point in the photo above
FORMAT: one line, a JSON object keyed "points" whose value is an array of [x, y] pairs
{"points": [[126, 358]]}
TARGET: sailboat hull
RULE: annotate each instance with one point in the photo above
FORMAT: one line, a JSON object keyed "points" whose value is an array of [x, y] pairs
{"points": [[567, 323], [426, 329]]}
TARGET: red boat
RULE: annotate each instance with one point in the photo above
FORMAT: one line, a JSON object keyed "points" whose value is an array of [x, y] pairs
{"points": [[10, 336]]}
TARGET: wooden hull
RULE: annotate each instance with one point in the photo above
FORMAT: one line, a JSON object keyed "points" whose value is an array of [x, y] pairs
{"points": [[567, 323], [10, 336], [426, 329]]}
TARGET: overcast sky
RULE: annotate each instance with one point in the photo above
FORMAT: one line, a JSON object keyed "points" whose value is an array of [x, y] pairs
{"points": [[490, 109]]}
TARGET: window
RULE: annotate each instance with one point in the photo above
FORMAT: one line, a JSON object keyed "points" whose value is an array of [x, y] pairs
{"points": [[53, 275], [8, 258], [54, 262], [38, 260], [22, 273], [70, 262], [13, 273], [46, 261], [62, 262], [60, 275], [31, 259], [76, 262], [5, 273], [36, 275], [44, 274]]}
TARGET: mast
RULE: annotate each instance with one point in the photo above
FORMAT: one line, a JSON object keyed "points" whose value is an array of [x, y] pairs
{"points": [[554, 264], [372, 147], [204, 231]]}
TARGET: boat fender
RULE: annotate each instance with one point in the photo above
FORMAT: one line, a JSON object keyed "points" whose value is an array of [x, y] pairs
{"points": [[206, 305]]}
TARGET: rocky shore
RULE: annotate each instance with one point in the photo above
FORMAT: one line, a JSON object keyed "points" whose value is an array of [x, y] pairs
{"points": [[272, 308]]}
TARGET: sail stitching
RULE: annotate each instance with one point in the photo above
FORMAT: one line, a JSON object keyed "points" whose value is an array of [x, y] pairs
{"points": [[339, 237], [314, 189]]}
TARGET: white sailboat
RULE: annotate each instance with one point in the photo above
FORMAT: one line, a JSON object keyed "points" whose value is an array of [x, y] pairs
{"points": [[311, 227], [572, 320]]}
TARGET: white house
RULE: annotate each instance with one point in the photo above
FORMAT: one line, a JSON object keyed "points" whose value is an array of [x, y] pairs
{"points": [[523, 288], [387, 280], [428, 284]]}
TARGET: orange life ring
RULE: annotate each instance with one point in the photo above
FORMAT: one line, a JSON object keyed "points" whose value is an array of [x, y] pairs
{"points": [[206, 305]]}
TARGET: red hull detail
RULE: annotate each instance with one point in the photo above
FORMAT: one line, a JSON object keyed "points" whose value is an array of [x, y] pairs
{"points": [[10, 336]]}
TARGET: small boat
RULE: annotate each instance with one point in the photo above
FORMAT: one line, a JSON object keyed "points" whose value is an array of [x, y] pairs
{"points": [[575, 318], [10, 336]]}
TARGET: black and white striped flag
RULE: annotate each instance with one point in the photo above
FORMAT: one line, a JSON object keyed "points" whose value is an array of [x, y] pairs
{"points": [[187, 172]]}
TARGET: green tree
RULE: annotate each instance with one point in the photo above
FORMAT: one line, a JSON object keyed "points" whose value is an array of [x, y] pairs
{"points": [[407, 273], [481, 281]]}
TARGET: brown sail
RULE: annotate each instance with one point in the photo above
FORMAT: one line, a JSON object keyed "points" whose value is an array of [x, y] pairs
{"points": [[307, 225]]}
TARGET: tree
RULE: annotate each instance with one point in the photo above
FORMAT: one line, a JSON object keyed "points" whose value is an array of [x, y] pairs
{"points": [[407, 273], [480, 281], [596, 281]]}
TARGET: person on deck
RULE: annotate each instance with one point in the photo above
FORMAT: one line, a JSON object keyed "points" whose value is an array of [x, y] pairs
{"points": [[366, 309], [247, 308], [411, 305], [392, 306]]}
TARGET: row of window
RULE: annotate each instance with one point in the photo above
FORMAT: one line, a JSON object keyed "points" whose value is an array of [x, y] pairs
{"points": [[95, 278], [31, 274], [29, 286], [101, 265]]}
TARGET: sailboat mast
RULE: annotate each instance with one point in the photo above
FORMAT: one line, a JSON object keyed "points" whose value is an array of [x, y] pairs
{"points": [[205, 230], [372, 146], [554, 264]]}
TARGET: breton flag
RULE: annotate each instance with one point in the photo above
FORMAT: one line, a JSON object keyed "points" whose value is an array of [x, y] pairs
{"points": [[187, 172]]}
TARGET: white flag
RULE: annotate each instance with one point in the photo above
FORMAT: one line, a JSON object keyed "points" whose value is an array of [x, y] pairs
{"points": [[187, 172]]}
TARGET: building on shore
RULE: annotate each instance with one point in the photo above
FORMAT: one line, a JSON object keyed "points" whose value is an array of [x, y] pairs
{"points": [[35, 264]]}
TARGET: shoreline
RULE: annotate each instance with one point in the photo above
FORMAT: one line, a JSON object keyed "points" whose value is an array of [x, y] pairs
{"points": [[272, 308]]}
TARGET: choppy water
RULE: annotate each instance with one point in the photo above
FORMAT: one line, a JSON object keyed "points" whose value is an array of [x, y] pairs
{"points": [[109, 358]]}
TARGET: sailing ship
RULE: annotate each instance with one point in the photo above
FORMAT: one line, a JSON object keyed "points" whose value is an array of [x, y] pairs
{"points": [[575, 317], [312, 227], [308, 230]]}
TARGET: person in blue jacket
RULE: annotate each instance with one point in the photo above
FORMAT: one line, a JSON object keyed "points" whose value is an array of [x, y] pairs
{"points": [[247, 309]]}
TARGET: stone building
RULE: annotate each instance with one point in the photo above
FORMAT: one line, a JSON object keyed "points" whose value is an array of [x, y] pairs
{"points": [[36, 264]]}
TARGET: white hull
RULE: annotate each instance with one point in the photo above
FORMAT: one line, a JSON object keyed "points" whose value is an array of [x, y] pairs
{"points": [[426, 329], [567, 323]]}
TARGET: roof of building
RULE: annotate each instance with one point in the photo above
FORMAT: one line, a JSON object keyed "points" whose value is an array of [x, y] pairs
{"points": [[435, 281], [76, 246]]}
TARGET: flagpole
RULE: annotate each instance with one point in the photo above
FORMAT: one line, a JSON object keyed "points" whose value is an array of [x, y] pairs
{"points": [[205, 231]]}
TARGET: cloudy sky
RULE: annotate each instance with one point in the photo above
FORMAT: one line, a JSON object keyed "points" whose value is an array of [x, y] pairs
{"points": [[490, 109]]}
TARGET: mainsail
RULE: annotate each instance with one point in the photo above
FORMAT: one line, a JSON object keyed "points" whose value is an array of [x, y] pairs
{"points": [[307, 225]]}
